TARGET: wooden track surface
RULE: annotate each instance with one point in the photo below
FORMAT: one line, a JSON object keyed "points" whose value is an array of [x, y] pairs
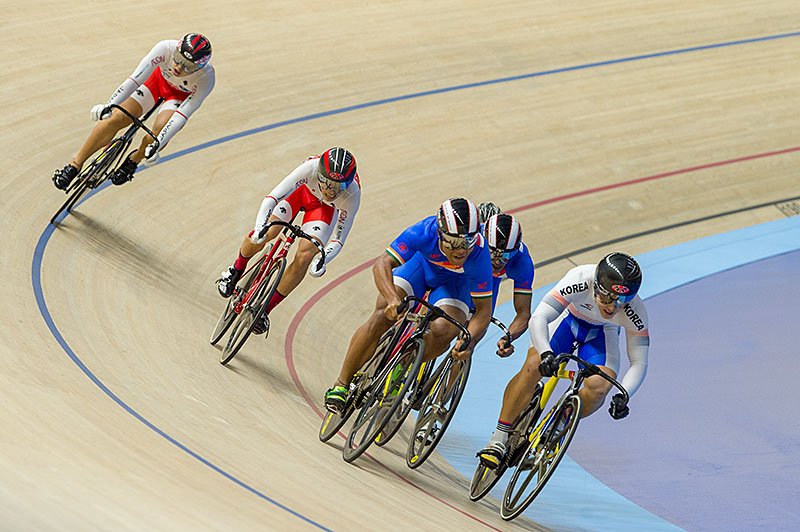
{"points": [[128, 279]]}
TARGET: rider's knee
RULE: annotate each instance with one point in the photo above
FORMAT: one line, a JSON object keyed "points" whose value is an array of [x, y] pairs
{"points": [[443, 330], [305, 255]]}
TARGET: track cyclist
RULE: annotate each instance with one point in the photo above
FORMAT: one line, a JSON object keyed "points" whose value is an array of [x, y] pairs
{"points": [[445, 254], [327, 188], [511, 259], [588, 305], [177, 71]]}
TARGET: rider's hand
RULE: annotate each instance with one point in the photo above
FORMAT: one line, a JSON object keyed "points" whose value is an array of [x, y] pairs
{"points": [[504, 348], [548, 367], [259, 235], [391, 310], [317, 267], [619, 407], [461, 351], [99, 112]]}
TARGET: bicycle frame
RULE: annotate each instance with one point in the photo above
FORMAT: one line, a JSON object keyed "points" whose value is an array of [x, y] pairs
{"points": [[586, 369], [279, 250]]}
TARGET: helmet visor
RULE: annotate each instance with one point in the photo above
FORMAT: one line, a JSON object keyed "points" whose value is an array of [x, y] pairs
{"points": [[185, 63], [607, 297], [456, 242], [326, 184]]}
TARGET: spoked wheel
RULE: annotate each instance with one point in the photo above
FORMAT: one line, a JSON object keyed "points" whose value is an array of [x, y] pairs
{"points": [[91, 176], [437, 410], [228, 315], [385, 396], [485, 478], [331, 423], [252, 311], [549, 444], [400, 415]]}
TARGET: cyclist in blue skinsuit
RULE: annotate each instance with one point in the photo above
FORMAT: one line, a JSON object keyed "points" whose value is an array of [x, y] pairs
{"points": [[445, 254], [510, 260]]}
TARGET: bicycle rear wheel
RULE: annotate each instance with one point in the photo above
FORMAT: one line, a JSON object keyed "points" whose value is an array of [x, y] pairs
{"points": [[384, 397], [251, 311], [485, 478], [437, 410], [550, 440], [228, 315]]}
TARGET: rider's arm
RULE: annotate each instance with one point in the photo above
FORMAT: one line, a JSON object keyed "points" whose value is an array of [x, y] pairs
{"points": [[159, 54], [480, 320], [547, 311], [382, 273], [638, 344], [344, 222], [522, 306], [297, 178], [187, 108]]}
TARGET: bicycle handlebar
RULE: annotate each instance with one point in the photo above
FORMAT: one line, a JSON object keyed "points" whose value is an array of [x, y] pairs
{"points": [[592, 369], [140, 123], [503, 328], [437, 313], [297, 231]]}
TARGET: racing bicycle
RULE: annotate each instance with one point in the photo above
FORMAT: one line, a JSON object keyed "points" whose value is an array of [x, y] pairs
{"points": [[250, 298], [106, 162]]}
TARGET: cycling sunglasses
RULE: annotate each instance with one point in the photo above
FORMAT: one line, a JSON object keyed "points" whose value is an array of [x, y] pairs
{"points": [[456, 242]]}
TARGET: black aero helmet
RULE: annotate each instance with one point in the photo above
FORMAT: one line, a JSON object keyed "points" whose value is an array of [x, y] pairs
{"points": [[337, 164], [618, 276], [503, 232], [458, 217], [195, 48], [487, 210]]}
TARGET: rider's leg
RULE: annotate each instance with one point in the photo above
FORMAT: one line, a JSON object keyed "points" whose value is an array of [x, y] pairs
{"points": [[602, 351], [594, 391], [365, 340], [105, 130], [161, 120], [442, 332], [318, 225], [520, 388]]}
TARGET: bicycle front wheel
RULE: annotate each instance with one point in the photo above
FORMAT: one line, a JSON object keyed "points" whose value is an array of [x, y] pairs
{"points": [[331, 423], [90, 176], [384, 398], [437, 410], [228, 315], [549, 442], [251, 311], [400, 415], [485, 478]]}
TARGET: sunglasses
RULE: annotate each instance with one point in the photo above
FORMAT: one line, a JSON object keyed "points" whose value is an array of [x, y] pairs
{"points": [[502, 254], [456, 242]]}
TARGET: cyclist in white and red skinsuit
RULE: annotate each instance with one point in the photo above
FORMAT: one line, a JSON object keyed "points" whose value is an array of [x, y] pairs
{"points": [[327, 188], [179, 72], [589, 305]]}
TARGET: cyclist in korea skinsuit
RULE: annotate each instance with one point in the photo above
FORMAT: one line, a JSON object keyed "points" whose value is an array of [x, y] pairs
{"points": [[589, 305], [179, 72]]}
